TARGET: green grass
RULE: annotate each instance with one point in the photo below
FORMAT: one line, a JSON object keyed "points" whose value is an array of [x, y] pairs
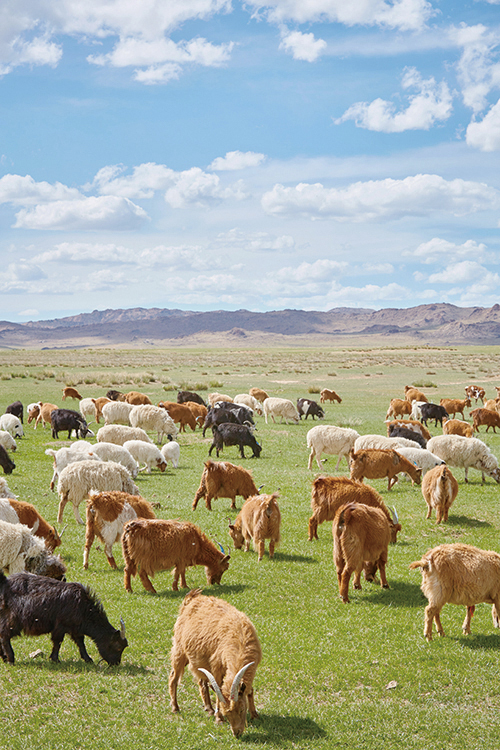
{"points": [[333, 675]]}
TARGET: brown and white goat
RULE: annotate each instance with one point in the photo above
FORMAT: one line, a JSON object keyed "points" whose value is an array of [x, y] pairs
{"points": [[360, 533], [151, 545], [220, 645], [439, 489], [376, 463], [258, 520], [475, 392], [459, 574], [41, 413], [222, 479], [28, 515], [106, 515]]}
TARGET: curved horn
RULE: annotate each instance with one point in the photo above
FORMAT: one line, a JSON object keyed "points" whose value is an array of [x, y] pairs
{"points": [[394, 514], [220, 546], [233, 693], [213, 683], [62, 532], [122, 627], [35, 526]]}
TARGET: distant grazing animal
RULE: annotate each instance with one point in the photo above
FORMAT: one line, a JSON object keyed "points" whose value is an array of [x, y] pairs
{"points": [[398, 408], [154, 419], [120, 433], [69, 392], [80, 450], [336, 441], [146, 453], [150, 545], [7, 441], [360, 533], [222, 479], [307, 408], [107, 513], [375, 463], [433, 411], [421, 457], [35, 605], [459, 574], [114, 395], [249, 401], [16, 409], [327, 395], [117, 453], [259, 394], [219, 416], [213, 398], [485, 417], [439, 489], [21, 550], [67, 419], [18, 511], [455, 406], [180, 413], [413, 394], [475, 392], [234, 434], [457, 427], [199, 412], [383, 442], [220, 645], [117, 412], [43, 414], [136, 398], [329, 493], [11, 424], [280, 407], [6, 462], [183, 396], [404, 432], [467, 453], [416, 409], [258, 520]]}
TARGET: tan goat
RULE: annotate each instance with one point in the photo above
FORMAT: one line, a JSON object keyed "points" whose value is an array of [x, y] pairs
{"points": [[457, 427], [258, 520], [360, 534], [222, 479], [398, 408], [376, 463], [42, 414], [327, 395], [413, 394], [484, 417], [136, 398], [459, 574], [259, 394], [69, 392], [439, 490], [455, 405], [220, 645]]}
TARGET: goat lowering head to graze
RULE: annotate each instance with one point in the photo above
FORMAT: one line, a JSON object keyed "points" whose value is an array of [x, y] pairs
{"points": [[11, 424], [20, 550], [35, 605], [180, 414], [280, 407], [433, 411], [374, 463], [398, 408], [459, 574], [18, 511], [234, 434], [67, 419], [69, 392], [360, 534], [439, 489], [484, 417], [220, 645], [404, 432], [222, 479], [457, 427], [6, 462], [468, 453], [413, 394], [455, 406], [328, 395], [306, 407], [258, 520]]}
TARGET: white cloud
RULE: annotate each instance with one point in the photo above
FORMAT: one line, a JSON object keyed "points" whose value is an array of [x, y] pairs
{"points": [[255, 241], [478, 70], [106, 212], [144, 181], [321, 270], [381, 199], [24, 271], [431, 103], [395, 14], [485, 134], [25, 191], [302, 46], [234, 160], [437, 250], [382, 268], [460, 273], [194, 187]]}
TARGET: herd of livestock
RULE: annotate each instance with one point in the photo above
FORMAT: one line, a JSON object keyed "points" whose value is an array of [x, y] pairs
{"points": [[218, 642]]}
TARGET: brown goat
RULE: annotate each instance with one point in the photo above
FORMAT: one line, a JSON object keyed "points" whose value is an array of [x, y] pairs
{"points": [[259, 394], [439, 490], [180, 413], [69, 392], [360, 534], [99, 403], [220, 645], [327, 395], [376, 463], [398, 408], [455, 405], [136, 398], [459, 574], [486, 417], [42, 414], [106, 515], [413, 394], [457, 427], [258, 520], [150, 545], [329, 493], [475, 392], [199, 412], [29, 516], [222, 479]]}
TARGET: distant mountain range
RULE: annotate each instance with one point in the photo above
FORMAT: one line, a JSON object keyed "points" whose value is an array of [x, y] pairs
{"points": [[435, 324]]}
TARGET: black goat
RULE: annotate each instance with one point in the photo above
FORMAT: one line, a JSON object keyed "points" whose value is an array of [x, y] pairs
{"points": [[67, 419], [433, 411], [16, 409], [234, 434], [405, 432], [184, 396], [5, 461]]}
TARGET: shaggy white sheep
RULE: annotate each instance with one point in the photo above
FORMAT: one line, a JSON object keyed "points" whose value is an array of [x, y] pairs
{"points": [[280, 407], [212, 398], [20, 550], [87, 409], [465, 453], [154, 419], [245, 399], [336, 441], [117, 412], [421, 457], [385, 443], [120, 433], [78, 451], [7, 512], [11, 424], [171, 452], [5, 490], [147, 453], [117, 453], [7, 441], [77, 479]]}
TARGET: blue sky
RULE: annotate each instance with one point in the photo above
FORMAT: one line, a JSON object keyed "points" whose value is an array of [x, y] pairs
{"points": [[217, 154]]}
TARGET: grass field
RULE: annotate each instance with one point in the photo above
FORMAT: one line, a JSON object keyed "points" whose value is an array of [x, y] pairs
{"points": [[333, 675]]}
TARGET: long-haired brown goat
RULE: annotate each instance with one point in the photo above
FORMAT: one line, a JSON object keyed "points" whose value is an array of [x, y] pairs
{"points": [[439, 489], [222, 479], [220, 645], [258, 520]]}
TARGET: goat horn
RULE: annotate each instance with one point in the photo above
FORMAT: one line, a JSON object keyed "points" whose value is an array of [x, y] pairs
{"points": [[122, 627], [220, 546], [233, 693], [394, 514], [260, 487], [213, 683], [62, 532]]}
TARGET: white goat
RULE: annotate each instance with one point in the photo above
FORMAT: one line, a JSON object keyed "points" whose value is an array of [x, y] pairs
{"points": [[336, 441], [171, 452], [280, 407], [154, 419], [11, 424]]}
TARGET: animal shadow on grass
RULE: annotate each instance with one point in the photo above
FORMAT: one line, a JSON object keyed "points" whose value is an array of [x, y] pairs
{"points": [[479, 642], [400, 594], [217, 590], [295, 558], [466, 521], [270, 729], [72, 666]]}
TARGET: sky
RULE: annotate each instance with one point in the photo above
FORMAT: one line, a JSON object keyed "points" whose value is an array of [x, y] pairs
{"points": [[218, 154]]}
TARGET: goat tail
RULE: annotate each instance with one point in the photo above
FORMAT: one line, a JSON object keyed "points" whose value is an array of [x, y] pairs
{"points": [[423, 563], [130, 565]]}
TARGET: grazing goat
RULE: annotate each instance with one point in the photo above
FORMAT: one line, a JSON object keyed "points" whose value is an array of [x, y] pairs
{"points": [[413, 394], [79, 451], [115, 395], [475, 392], [117, 412], [398, 408], [455, 406], [6, 462], [171, 452], [21, 550], [382, 442], [459, 574], [234, 434], [433, 411], [199, 412], [120, 433], [184, 396], [222, 479], [403, 432], [245, 399], [43, 414], [35, 605], [18, 511], [280, 407], [329, 493], [306, 407], [179, 413], [17, 409], [107, 513], [467, 453], [486, 417], [360, 533], [136, 398], [327, 395], [150, 545], [67, 419], [259, 394], [220, 645], [117, 453], [213, 398], [11, 424], [375, 463], [457, 427], [71, 393], [422, 458], [409, 424], [146, 453], [258, 520], [336, 441], [439, 490]]}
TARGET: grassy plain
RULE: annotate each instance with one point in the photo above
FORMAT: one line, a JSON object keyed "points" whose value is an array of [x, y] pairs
{"points": [[333, 675]]}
